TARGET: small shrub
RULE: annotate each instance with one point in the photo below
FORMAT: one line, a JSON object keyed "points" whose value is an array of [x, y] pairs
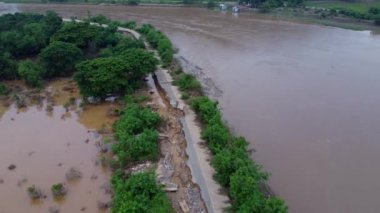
{"points": [[206, 108], [58, 190], [185, 96], [188, 82], [34, 192]]}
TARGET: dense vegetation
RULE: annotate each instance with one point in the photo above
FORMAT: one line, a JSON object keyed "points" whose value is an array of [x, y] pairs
{"points": [[137, 141], [120, 69], [35, 47], [159, 41], [234, 168]]}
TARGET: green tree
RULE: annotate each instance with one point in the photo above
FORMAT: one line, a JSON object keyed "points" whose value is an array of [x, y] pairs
{"points": [[52, 23], [102, 76], [8, 67], [31, 72], [59, 58]]}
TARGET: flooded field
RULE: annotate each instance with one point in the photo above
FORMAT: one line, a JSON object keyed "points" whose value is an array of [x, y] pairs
{"points": [[45, 140], [305, 96]]}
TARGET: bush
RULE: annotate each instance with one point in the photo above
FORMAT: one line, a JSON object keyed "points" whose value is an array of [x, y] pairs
{"points": [[137, 148], [133, 2], [101, 19], [122, 46], [353, 14], [188, 82], [31, 72], [134, 120], [3, 89], [139, 193], [129, 24], [377, 20], [158, 40], [59, 58], [211, 4], [206, 108]]}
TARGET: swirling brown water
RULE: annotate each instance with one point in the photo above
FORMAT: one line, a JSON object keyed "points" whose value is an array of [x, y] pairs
{"points": [[306, 97]]}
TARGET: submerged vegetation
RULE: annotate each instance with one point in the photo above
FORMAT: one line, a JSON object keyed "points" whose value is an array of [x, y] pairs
{"points": [[104, 63], [159, 41]]}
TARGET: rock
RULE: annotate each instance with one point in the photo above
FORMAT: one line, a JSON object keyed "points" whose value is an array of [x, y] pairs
{"points": [[83, 209], [1, 180], [73, 174], [139, 168], [170, 187], [184, 207], [12, 167]]}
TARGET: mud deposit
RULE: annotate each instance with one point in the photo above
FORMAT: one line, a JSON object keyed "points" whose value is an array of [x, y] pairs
{"points": [[42, 142]]}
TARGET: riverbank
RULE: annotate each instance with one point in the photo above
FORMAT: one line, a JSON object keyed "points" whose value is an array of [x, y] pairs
{"points": [[315, 16]]}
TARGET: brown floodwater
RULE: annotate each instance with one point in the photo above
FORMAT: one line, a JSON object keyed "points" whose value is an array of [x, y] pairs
{"points": [[307, 97], [45, 144]]}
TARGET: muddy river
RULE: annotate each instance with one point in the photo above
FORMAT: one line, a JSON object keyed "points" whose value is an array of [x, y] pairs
{"points": [[306, 97], [47, 139]]}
